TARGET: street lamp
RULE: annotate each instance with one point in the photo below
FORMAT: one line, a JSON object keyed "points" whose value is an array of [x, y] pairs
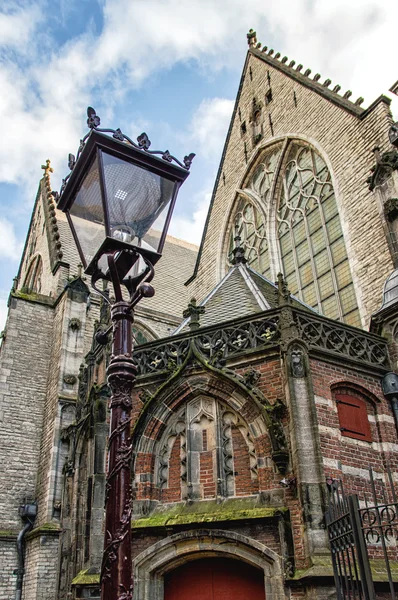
{"points": [[119, 198]]}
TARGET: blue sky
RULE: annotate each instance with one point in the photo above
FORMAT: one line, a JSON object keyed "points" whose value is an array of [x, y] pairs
{"points": [[167, 67]]}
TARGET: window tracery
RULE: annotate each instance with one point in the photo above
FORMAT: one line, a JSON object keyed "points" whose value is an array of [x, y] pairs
{"points": [[206, 451], [250, 223], [311, 242], [308, 238]]}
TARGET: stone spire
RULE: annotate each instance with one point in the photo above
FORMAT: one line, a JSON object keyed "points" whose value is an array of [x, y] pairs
{"points": [[49, 207]]}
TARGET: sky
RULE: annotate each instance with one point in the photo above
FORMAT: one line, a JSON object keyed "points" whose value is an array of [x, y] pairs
{"points": [[170, 68]]}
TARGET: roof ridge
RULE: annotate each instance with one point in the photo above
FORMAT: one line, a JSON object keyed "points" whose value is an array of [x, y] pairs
{"points": [[263, 52], [253, 288]]}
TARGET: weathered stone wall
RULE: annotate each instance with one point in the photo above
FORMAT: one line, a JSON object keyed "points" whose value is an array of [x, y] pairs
{"points": [[8, 562], [41, 561], [25, 362], [343, 139]]}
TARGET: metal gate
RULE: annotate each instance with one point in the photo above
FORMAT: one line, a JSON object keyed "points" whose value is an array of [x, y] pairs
{"points": [[363, 532]]}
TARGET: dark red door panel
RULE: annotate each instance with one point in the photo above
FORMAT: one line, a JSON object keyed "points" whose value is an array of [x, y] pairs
{"points": [[214, 579]]}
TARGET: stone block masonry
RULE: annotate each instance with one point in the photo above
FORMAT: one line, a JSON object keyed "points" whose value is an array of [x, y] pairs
{"points": [[25, 362]]}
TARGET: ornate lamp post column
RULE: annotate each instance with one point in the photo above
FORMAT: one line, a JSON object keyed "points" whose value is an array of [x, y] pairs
{"points": [[119, 198]]}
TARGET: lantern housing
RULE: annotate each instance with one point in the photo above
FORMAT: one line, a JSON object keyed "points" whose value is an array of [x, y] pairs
{"points": [[119, 197]]}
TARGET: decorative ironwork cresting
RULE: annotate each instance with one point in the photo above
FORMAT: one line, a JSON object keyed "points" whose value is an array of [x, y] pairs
{"points": [[256, 333]]}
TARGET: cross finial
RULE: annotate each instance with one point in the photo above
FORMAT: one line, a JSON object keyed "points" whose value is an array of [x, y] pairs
{"points": [[47, 168], [193, 311]]}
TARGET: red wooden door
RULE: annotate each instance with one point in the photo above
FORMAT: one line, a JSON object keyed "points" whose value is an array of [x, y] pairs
{"points": [[214, 579]]}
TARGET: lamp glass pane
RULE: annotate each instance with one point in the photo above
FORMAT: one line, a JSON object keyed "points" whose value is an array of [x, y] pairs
{"points": [[137, 202], [87, 214]]}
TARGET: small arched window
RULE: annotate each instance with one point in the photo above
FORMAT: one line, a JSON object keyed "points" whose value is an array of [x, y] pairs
{"points": [[353, 415], [305, 233]]}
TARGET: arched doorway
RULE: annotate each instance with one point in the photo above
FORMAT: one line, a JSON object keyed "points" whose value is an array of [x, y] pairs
{"points": [[214, 579]]}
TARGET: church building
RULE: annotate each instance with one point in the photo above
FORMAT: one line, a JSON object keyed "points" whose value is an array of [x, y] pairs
{"points": [[260, 368]]}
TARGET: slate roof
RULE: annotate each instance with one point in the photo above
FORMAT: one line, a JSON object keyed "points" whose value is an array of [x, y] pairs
{"points": [[241, 292]]}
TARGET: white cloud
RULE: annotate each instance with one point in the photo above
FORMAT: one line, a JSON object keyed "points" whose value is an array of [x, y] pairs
{"points": [[191, 228], [10, 248], [18, 25], [209, 126], [3, 313], [42, 101], [206, 133]]}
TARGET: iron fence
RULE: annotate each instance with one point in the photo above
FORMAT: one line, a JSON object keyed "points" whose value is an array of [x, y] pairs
{"points": [[363, 536]]}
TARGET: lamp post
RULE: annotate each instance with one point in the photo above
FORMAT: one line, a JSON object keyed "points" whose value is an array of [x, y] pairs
{"points": [[116, 191]]}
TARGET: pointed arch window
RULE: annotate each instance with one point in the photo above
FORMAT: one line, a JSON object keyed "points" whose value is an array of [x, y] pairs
{"points": [[308, 238], [248, 221], [311, 243]]}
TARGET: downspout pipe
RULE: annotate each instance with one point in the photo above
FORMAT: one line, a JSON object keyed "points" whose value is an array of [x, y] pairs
{"points": [[28, 514]]}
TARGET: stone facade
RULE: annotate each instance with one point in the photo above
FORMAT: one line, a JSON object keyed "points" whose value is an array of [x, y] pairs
{"points": [[238, 417]]}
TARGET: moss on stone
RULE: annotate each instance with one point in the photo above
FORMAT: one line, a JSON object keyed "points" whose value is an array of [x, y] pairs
{"points": [[206, 512], [85, 578], [33, 297], [45, 529], [322, 567], [7, 533]]}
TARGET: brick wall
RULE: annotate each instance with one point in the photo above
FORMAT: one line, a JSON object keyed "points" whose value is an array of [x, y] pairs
{"points": [[345, 456]]}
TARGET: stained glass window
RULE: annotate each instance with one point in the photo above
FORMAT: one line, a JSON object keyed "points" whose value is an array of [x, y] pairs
{"points": [[141, 336], [248, 222], [311, 242], [311, 245]]}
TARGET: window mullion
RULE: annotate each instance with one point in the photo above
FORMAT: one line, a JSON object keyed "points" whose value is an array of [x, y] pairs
{"points": [[329, 253], [316, 286]]}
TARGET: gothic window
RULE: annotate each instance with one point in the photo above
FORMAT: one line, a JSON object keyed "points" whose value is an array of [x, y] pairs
{"points": [[311, 242], [206, 451], [308, 237], [248, 222], [353, 416], [32, 282]]}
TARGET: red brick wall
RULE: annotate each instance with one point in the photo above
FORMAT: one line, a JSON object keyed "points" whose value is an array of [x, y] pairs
{"points": [[350, 454], [244, 484], [173, 491]]}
